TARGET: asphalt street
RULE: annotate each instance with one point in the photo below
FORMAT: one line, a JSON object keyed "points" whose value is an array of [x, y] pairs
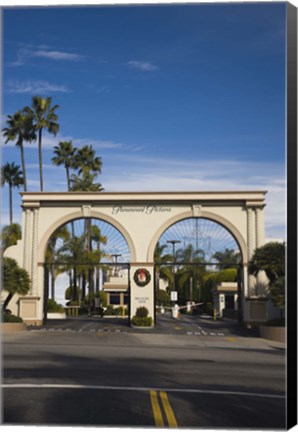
{"points": [[191, 373]]}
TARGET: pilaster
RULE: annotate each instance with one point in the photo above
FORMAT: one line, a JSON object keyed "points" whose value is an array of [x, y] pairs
{"points": [[251, 245], [34, 270], [27, 240]]}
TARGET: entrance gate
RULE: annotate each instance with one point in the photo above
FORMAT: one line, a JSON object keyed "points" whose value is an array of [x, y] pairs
{"points": [[113, 282], [141, 218], [195, 301]]}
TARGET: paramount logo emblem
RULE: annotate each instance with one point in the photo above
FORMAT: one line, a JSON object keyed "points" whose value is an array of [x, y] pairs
{"points": [[148, 209]]}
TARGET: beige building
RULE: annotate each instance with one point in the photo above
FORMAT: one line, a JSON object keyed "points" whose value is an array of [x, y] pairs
{"points": [[117, 290], [225, 297], [141, 218]]}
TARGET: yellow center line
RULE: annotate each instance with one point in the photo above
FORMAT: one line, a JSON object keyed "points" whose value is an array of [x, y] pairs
{"points": [[157, 412], [231, 339], [156, 409], [168, 410]]}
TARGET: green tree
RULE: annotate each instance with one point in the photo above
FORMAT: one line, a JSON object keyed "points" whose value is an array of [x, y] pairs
{"points": [[227, 258], [86, 161], [212, 279], [44, 118], [85, 183], [189, 276], [51, 257], [163, 271], [162, 297], [20, 130], [88, 166], [70, 255], [15, 280], [10, 235], [98, 239], [13, 177], [277, 291], [270, 258], [64, 155]]}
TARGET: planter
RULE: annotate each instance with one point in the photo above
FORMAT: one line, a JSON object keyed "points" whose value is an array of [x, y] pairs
{"points": [[13, 327], [277, 334], [56, 315], [142, 327]]}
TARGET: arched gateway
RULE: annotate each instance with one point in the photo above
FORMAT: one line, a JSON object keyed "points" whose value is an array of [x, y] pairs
{"points": [[141, 218]]}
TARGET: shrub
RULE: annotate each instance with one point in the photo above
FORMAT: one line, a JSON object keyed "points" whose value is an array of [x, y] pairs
{"points": [[11, 318], [103, 298], [142, 312], [276, 323], [141, 321], [109, 310], [54, 307], [119, 311]]}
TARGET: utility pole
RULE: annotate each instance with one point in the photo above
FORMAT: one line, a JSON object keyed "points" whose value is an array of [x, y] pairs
{"points": [[116, 268], [173, 243]]}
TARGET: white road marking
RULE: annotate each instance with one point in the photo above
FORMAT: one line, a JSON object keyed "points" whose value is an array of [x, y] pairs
{"points": [[119, 388], [82, 328]]}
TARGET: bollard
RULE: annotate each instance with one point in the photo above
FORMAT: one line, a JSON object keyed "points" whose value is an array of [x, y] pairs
{"points": [[214, 314]]}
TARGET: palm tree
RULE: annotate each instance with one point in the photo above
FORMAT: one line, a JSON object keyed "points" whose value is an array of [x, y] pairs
{"points": [[86, 162], [64, 155], [190, 275], [44, 118], [160, 259], [12, 175], [15, 280], [227, 259], [95, 236], [51, 255], [70, 256], [20, 129], [10, 235], [85, 183]]}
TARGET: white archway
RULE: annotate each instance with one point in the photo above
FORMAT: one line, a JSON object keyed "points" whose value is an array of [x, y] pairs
{"points": [[207, 215], [141, 218], [78, 215]]}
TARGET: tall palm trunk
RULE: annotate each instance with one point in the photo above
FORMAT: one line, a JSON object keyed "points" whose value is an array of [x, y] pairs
{"points": [[40, 158], [75, 287], [10, 204], [7, 300], [53, 281], [23, 166]]}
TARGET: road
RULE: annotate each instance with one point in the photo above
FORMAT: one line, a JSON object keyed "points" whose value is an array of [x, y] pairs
{"points": [[190, 373]]}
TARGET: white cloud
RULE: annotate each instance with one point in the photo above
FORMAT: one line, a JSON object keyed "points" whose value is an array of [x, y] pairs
{"points": [[57, 55], [142, 65], [43, 51], [31, 86]]}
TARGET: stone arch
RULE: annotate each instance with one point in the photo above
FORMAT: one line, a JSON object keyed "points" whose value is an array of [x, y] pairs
{"points": [[204, 214], [78, 215]]}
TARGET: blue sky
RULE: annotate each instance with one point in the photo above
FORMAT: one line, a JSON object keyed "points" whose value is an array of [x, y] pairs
{"points": [[174, 97]]}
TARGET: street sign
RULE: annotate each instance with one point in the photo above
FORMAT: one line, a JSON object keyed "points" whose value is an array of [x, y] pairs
{"points": [[174, 295]]}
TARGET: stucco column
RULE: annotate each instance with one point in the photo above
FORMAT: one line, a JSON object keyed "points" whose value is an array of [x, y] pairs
{"points": [[260, 235], [34, 270], [251, 244], [142, 295], [27, 241], [262, 280]]}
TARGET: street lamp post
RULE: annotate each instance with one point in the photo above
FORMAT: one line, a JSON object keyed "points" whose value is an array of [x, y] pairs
{"points": [[173, 243]]}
